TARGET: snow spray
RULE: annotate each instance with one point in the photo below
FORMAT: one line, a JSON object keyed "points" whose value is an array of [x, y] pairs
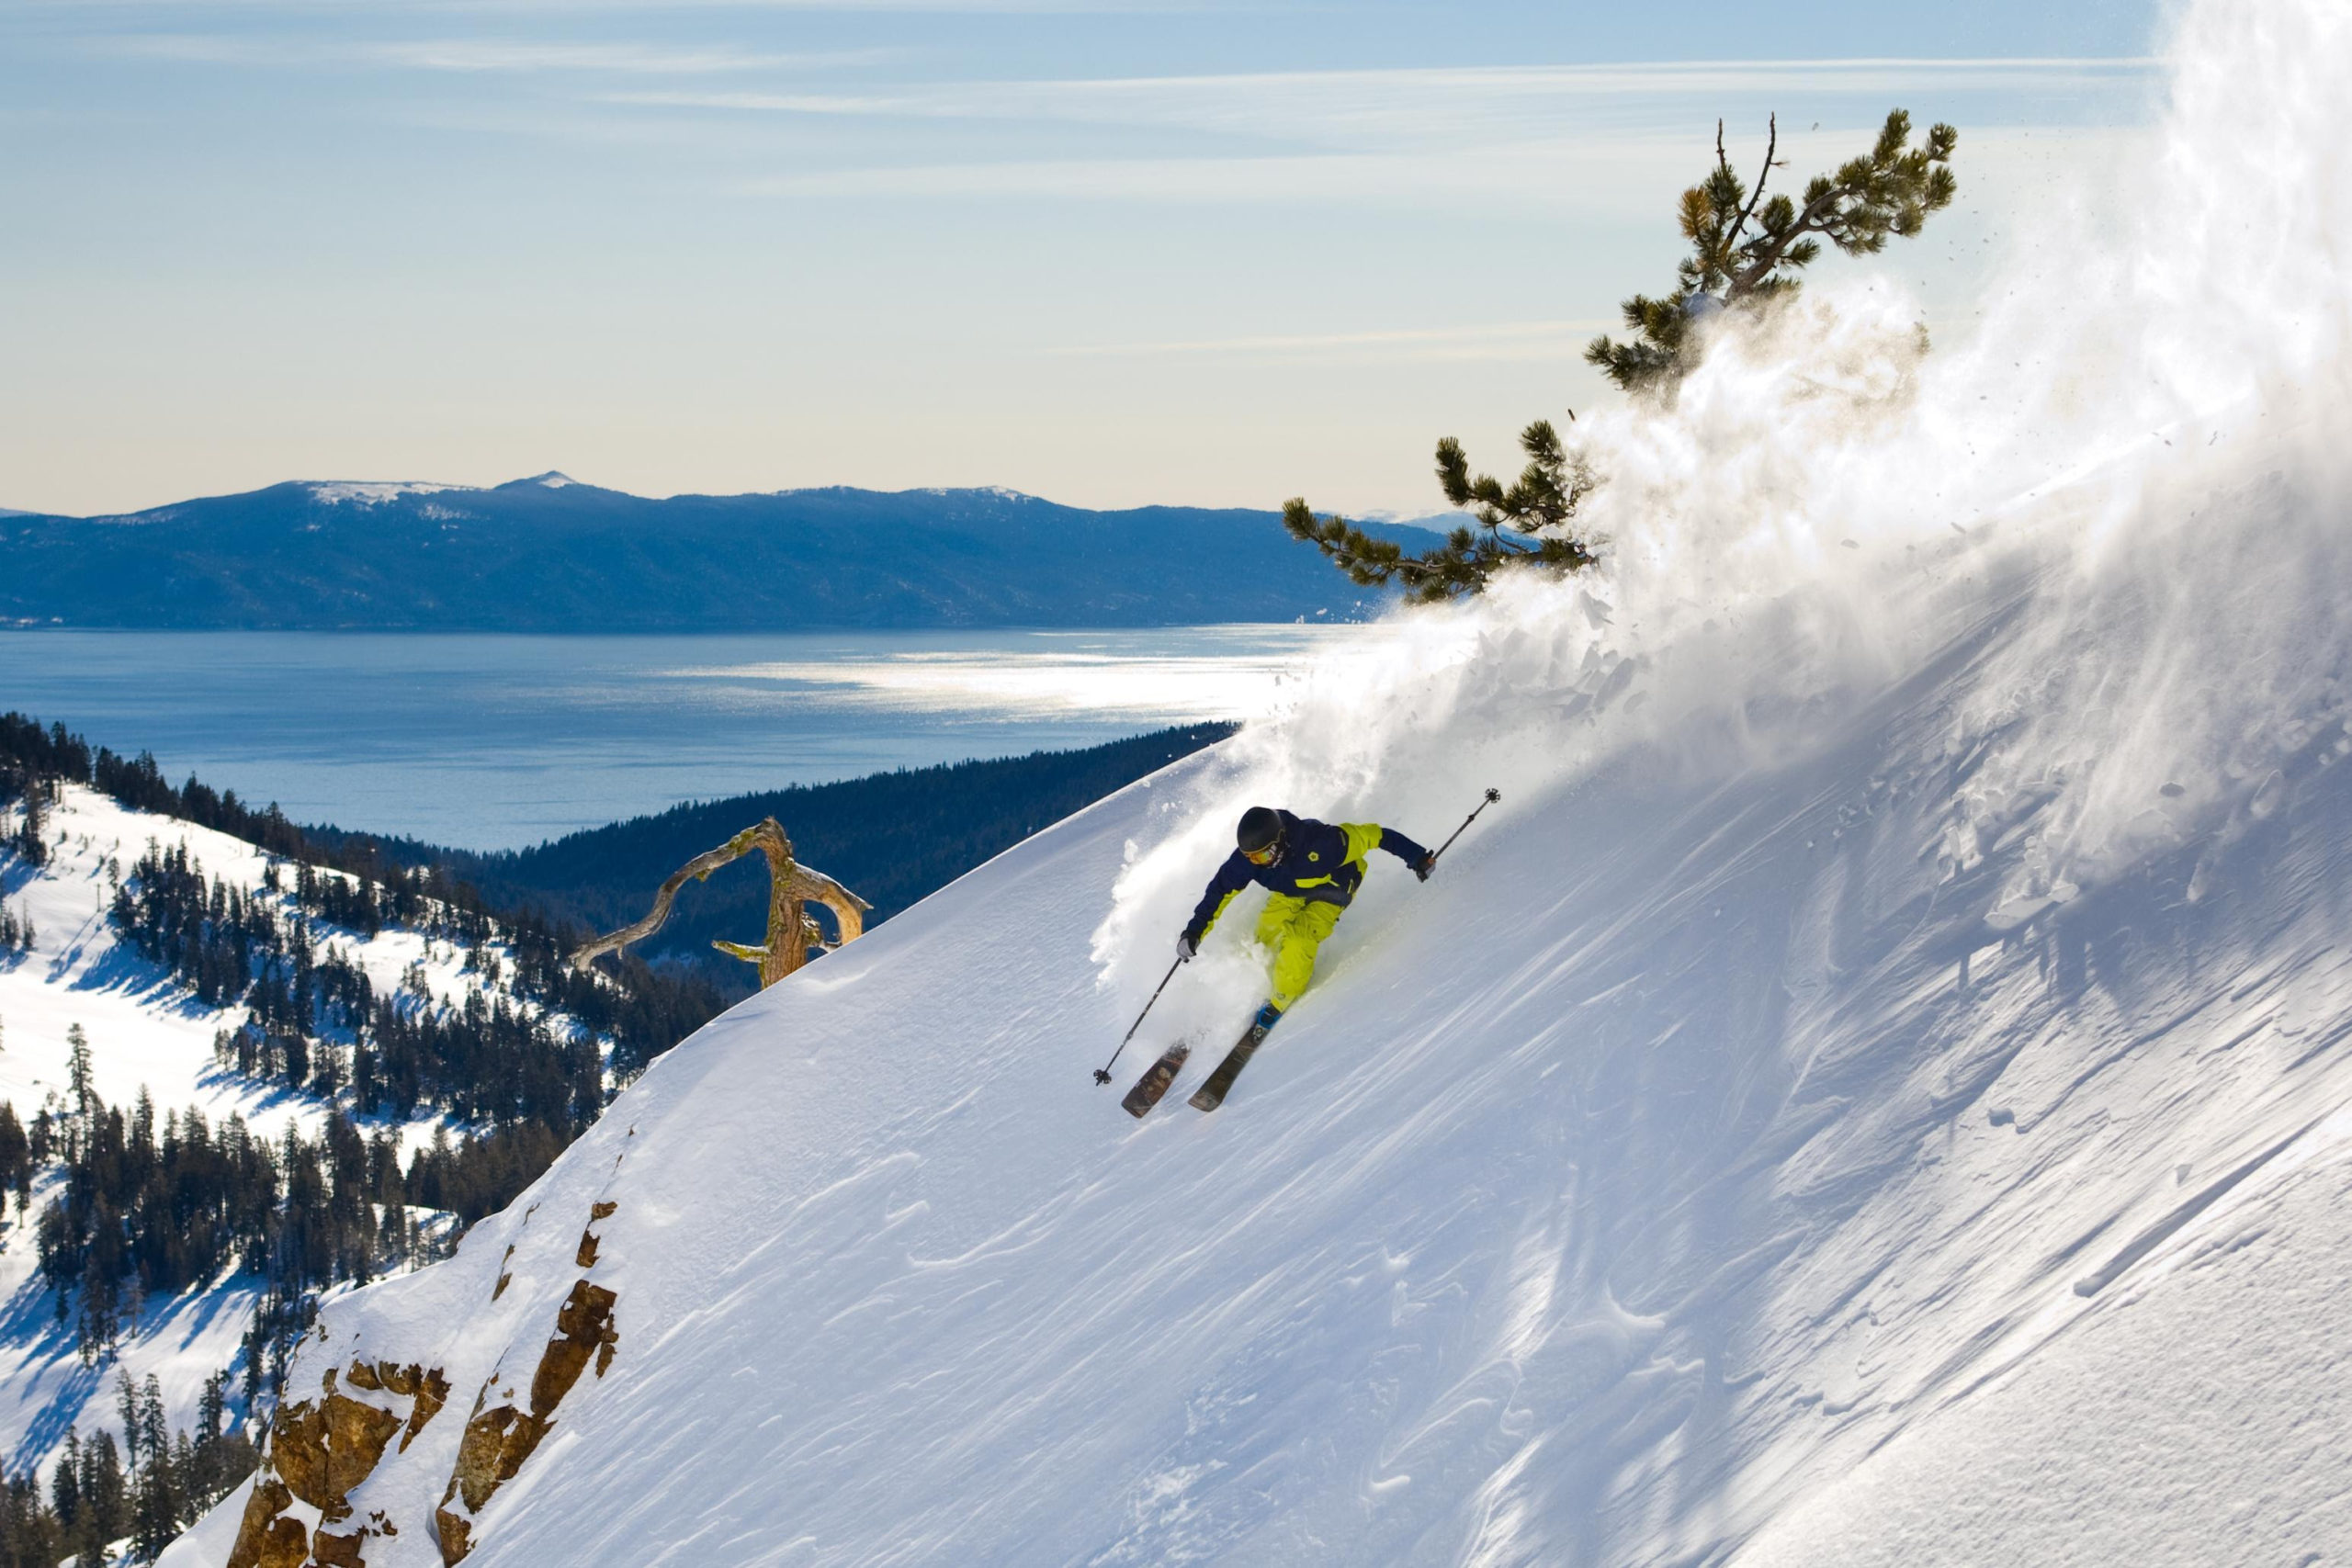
{"points": [[2144, 438]]}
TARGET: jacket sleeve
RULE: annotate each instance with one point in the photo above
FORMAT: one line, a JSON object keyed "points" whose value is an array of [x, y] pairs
{"points": [[1389, 838], [1230, 878]]}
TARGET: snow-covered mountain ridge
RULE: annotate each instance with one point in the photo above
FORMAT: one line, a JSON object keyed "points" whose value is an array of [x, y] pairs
{"points": [[154, 1041], [1879, 1091]]}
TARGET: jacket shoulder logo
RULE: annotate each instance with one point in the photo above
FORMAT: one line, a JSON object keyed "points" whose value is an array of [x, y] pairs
{"points": [[1313, 855]]}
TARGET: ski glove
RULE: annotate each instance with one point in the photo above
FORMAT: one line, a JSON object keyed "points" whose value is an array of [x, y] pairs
{"points": [[1187, 944], [1423, 870]]}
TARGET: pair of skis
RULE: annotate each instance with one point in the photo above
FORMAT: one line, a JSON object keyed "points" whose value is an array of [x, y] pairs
{"points": [[1211, 1094], [1155, 1082]]}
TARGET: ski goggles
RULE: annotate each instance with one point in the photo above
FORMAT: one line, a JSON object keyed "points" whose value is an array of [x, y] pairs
{"points": [[1265, 856]]}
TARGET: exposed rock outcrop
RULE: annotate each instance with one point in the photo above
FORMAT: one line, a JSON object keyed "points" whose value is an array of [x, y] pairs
{"points": [[501, 1434], [306, 1509], [318, 1450], [429, 1389], [500, 1438]]}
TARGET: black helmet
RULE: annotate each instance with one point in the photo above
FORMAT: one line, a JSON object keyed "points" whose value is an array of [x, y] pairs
{"points": [[1261, 829]]}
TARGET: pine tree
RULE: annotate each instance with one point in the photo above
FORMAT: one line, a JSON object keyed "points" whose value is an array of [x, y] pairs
{"points": [[104, 1516], [95, 1329], [212, 1408], [1510, 532], [155, 1506], [154, 1425], [29, 840], [77, 1075], [16, 1150], [65, 1484], [1745, 251], [126, 1410], [29, 1535], [219, 1458]]}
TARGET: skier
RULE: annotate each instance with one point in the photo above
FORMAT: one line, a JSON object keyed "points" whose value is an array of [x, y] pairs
{"points": [[1313, 870]]}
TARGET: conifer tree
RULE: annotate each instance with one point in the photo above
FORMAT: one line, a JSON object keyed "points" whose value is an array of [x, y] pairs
{"points": [[126, 1410], [29, 840], [65, 1483], [1511, 530], [156, 1500], [1745, 250], [16, 1150], [77, 1074], [106, 1497], [29, 1535]]}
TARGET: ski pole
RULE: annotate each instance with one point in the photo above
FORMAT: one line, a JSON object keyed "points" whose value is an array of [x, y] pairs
{"points": [[1102, 1073], [1492, 795]]}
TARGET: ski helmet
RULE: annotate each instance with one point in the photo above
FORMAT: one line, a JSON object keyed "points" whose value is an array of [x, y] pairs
{"points": [[1260, 829]]}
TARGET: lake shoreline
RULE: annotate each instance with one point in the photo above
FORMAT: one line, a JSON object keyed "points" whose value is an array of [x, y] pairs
{"points": [[500, 740]]}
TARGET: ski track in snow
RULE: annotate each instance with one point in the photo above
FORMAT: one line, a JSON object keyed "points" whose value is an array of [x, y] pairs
{"points": [[1876, 1091]]}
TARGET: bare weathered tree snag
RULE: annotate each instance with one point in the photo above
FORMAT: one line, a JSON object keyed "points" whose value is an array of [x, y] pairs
{"points": [[791, 887]]}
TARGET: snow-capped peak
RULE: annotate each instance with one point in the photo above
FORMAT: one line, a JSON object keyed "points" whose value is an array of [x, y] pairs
{"points": [[998, 492], [363, 492]]}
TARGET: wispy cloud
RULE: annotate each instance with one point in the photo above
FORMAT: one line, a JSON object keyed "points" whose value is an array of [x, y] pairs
{"points": [[1408, 110], [475, 55], [1493, 341], [1087, 95], [1373, 98], [1596, 177], [1600, 177]]}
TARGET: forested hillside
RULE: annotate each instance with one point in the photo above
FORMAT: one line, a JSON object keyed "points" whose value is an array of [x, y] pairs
{"points": [[233, 1085], [249, 1065], [241, 1071]]}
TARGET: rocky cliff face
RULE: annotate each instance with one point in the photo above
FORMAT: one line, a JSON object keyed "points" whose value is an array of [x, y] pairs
{"points": [[366, 1471]]}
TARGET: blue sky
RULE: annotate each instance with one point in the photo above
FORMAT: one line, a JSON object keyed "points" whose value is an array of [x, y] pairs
{"points": [[1110, 254]]}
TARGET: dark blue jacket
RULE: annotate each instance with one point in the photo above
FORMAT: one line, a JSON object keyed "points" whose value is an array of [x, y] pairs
{"points": [[1321, 863]]}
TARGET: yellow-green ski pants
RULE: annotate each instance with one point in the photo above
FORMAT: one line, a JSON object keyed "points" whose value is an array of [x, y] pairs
{"points": [[1293, 929]]}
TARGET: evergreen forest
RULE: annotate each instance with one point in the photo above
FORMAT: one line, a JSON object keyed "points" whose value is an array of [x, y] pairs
{"points": [[133, 1205]]}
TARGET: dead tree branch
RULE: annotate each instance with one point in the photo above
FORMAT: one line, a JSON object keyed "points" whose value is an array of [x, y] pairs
{"points": [[1757, 194], [791, 888]]}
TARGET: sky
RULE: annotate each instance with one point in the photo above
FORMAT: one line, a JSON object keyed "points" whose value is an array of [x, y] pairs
{"points": [[1112, 253]]}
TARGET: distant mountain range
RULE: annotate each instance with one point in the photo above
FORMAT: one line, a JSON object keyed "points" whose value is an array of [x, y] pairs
{"points": [[548, 554]]}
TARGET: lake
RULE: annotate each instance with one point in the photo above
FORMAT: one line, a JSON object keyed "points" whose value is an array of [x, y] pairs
{"points": [[495, 741]]}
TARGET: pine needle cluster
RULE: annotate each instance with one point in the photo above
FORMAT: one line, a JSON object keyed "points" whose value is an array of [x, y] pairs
{"points": [[1745, 250], [1509, 531]]}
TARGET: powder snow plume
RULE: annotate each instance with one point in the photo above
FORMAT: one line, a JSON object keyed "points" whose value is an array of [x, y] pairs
{"points": [[2148, 427]]}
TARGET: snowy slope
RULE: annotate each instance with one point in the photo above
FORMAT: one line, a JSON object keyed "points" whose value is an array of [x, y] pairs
{"points": [[145, 1032], [1710, 1185], [1880, 1089]]}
